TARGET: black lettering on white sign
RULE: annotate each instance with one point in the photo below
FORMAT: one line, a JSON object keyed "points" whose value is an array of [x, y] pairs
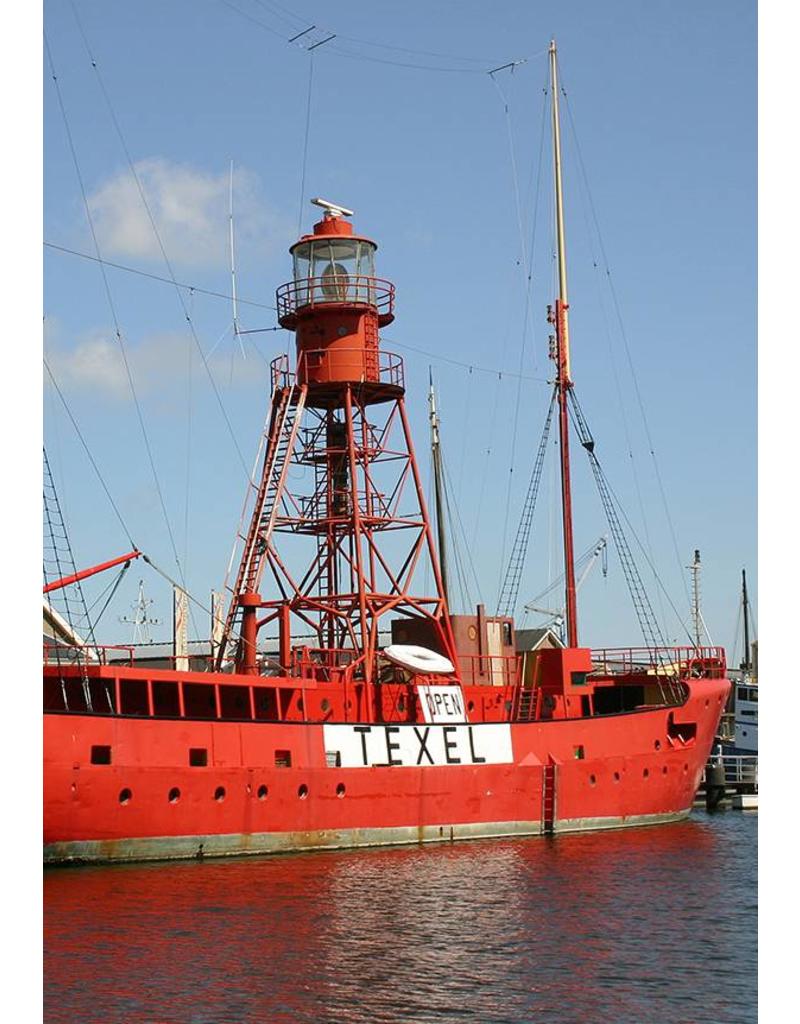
{"points": [[422, 745]]}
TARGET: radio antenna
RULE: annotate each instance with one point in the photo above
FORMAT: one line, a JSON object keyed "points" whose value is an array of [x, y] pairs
{"points": [[236, 331]]}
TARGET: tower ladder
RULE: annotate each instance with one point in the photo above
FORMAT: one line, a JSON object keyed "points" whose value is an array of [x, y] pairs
{"points": [[287, 407]]}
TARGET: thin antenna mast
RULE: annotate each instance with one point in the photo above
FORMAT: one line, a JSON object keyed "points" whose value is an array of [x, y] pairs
{"points": [[558, 318], [236, 331], [438, 484], [141, 621]]}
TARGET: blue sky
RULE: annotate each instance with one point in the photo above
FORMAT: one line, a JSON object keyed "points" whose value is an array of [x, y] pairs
{"points": [[663, 100]]}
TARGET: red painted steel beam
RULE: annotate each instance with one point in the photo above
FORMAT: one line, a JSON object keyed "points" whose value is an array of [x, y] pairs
{"points": [[85, 573]]}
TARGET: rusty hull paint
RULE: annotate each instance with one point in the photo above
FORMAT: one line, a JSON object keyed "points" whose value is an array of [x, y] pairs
{"points": [[200, 847]]}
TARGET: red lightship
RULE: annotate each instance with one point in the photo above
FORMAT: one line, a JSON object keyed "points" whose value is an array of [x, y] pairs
{"points": [[341, 740]]}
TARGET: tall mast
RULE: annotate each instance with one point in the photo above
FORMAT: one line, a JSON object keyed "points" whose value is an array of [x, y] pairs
{"points": [[438, 487], [746, 660], [697, 617], [563, 380]]}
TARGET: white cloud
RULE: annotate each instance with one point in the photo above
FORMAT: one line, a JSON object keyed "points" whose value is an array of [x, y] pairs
{"points": [[159, 365], [190, 210]]}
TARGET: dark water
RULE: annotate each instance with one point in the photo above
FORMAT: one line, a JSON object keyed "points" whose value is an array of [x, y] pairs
{"points": [[645, 925]]}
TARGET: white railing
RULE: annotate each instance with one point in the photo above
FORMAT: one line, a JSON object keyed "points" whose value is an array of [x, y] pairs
{"points": [[740, 769]]}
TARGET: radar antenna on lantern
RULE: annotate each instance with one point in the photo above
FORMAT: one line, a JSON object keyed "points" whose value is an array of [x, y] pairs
{"points": [[332, 209]]}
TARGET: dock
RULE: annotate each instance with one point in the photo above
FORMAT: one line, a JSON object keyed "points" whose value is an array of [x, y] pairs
{"points": [[729, 780]]}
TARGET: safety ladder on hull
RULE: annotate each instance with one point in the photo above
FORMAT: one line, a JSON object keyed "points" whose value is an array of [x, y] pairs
{"points": [[549, 797], [287, 408]]}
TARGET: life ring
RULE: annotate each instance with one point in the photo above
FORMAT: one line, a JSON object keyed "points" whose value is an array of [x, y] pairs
{"points": [[418, 659]]}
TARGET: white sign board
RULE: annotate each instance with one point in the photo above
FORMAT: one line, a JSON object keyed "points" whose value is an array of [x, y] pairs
{"points": [[413, 746], [442, 704]]}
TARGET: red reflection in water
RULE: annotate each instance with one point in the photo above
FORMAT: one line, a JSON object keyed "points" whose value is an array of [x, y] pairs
{"points": [[604, 926]]}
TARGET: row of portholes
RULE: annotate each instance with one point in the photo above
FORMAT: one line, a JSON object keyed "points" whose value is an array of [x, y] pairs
{"points": [[645, 774], [174, 795]]}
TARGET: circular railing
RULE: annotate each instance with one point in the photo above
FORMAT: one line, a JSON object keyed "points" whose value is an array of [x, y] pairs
{"points": [[315, 292]]}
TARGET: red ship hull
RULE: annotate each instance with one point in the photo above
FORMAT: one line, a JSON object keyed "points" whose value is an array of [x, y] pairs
{"points": [[275, 786]]}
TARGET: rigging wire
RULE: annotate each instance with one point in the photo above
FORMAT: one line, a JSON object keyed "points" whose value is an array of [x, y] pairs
{"points": [[734, 646], [464, 434], [464, 543], [493, 371], [487, 457], [165, 280], [89, 455], [367, 42], [305, 144], [62, 558], [311, 32], [112, 305], [114, 506], [527, 267], [628, 355], [602, 480], [621, 404], [114, 588], [157, 235]]}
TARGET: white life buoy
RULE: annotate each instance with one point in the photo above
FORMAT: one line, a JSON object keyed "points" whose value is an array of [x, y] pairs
{"points": [[419, 659]]}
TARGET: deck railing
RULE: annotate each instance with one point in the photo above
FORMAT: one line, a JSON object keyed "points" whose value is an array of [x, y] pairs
{"points": [[684, 662]]}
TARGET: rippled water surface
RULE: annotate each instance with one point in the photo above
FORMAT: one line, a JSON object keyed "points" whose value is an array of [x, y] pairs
{"points": [[645, 925]]}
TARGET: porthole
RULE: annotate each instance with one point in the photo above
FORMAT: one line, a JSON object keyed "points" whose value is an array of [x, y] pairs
{"points": [[340, 790], [664, 770], [707, 701], [174, 795], [592, 780], [125, 796], [219, 794], [302, 792], [685, 769], [262, 792], [471, 705], [616, 776], [657, 744], [325, 704], [646, 773]]}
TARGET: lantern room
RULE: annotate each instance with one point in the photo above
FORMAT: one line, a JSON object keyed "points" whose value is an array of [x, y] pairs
{"points": [[333, 268], [335, 303]]}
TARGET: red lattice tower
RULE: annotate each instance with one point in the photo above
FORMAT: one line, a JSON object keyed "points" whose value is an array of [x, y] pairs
{"points": [[339, 494]]}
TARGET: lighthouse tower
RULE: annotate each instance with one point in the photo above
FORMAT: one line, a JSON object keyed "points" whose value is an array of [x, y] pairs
{"points": [[339, 536]]}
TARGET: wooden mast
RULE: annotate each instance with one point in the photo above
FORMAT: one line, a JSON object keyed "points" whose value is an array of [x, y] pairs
{"points": [[563, 380]]}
